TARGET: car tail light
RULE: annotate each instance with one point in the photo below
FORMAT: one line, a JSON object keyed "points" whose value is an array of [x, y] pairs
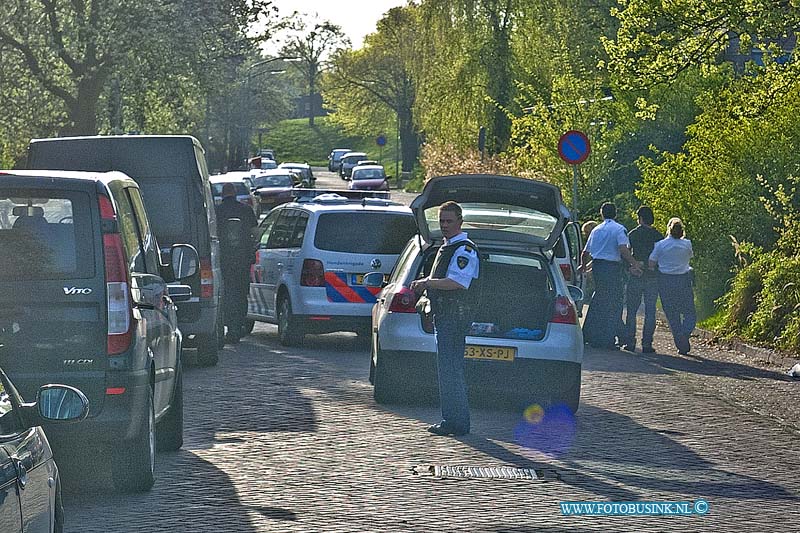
{"points": [[313, 273], [118, 298], [206, 278], [566, 269], [403, 301], [564, 312]]}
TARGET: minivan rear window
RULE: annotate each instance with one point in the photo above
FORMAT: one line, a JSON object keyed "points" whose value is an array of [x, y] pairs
{"points": [[167, 204], [364, 232], [45, 234]]}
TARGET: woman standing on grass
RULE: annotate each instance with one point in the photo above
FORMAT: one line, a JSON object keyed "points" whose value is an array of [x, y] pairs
{"points": [[671, 256]]}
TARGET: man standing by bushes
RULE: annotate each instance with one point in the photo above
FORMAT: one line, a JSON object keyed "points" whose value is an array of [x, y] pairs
{"points": [[642, 238]]}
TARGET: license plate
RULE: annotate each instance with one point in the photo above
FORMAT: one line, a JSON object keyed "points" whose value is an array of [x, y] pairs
{"points": [[495, 353]]}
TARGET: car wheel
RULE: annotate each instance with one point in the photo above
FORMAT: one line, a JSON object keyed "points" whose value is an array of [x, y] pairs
{"points": [[289, 332], [385, 386], [208, 347], [133, 461], [58, 512], [249, 325], [169, 432]]}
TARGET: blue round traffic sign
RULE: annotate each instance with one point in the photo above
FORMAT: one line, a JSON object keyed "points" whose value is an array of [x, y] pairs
{"points": [[381, 140], [573, 147]]}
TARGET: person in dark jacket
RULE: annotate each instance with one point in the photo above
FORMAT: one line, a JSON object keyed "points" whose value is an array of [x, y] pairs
{"points": [[235, 224], [448, 288], [644, 287]]}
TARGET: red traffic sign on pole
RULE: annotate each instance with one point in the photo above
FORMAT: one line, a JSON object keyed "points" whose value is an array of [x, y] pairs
{"points": [[573, 147]]}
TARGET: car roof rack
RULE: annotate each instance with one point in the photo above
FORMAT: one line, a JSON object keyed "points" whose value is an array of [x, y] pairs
{"points": [[340, 196]]}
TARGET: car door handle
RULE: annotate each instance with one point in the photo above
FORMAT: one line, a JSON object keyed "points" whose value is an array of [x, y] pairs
{"points": [[22, 472]]}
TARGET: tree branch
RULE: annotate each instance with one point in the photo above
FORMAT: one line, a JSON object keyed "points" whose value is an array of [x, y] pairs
{"points": [[58, 37]]}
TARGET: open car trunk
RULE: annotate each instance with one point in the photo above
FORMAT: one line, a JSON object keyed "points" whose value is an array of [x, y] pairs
{"points": [[515, 293]]}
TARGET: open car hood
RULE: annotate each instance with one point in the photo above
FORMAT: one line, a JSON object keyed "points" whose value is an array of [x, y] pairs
{"points": [[495, 209]]}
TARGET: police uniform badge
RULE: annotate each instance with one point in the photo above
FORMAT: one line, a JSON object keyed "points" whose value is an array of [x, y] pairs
{"points": [[462, 262]]}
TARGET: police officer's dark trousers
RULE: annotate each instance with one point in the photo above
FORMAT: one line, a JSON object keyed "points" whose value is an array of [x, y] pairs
{"points": [[236, 278], [677, 299], [603, 320], [450, 342]]}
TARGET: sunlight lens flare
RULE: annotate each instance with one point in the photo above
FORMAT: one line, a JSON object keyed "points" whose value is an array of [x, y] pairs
{"points": [[550, 431]]}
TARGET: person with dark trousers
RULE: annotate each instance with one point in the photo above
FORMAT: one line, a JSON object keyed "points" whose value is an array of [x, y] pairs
{"points": [[642, 238], [671, 256], [235, 224], [606, 249], [452, 303]]}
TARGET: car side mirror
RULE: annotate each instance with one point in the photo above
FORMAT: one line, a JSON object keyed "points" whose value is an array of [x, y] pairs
{"points": [[61, 403], [374, 279], [184, 261], [575, 293]]}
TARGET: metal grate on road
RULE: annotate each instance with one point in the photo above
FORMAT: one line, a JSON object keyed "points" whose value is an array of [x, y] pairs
{"points": [[478, 472]]}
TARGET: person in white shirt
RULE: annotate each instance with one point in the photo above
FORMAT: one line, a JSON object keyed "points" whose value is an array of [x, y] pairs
{"points": [[606, 249], [671, 256]]}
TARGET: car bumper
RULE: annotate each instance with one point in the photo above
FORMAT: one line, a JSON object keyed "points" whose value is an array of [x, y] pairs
{"points": [[197, 317], [561, 342], [121, 416]]}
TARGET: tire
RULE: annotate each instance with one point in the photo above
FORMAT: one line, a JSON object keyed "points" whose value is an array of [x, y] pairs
{"points": [[208, 348], [58, 514], [220, 334], [289, 333], [133, 461], [248, 326], [169, 432], [385, 387]]}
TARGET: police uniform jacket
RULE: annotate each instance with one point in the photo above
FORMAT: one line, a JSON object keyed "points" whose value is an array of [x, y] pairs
{"points": [[457, 259]]}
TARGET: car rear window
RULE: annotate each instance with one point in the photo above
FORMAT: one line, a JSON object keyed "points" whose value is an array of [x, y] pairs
{"points": [[241, 188], [367, 174], [167, 204], [364, 232], [284, 180], [45, 234]]}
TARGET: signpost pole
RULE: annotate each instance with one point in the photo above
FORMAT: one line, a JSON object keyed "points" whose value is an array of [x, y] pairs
{"points": [[575, 192]]}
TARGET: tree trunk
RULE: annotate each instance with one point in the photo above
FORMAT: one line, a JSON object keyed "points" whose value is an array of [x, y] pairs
{"points": [[82, 113], [409, 141]]}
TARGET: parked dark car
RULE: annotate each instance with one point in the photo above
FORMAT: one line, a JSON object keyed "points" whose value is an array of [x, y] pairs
{"points": [[30, 485], [348, 161], [82, 292], [335, 158], [172, 175]]}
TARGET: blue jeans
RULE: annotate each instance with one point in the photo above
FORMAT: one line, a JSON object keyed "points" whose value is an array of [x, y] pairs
{"points": [[450, 343], [645, 286], [677, 299], [604, 318]]}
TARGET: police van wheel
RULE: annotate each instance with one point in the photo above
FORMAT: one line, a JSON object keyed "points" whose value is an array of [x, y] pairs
{"points": [[289, 332], [385, 388], [248, 326], [208, 349]]}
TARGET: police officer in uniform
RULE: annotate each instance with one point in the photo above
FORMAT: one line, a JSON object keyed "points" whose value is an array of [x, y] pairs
{"points": [[235, 223], [452, 304]]}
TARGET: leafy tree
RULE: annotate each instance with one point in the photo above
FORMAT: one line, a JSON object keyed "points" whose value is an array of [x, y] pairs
{"points": [[312, 46], [73, 49], [371, 86]]}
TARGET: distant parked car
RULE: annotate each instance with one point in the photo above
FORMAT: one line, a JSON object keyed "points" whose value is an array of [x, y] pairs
{"points": [[243, 192], [349, 160], [30, 485], [274, 187], [367, 162], [369, 178], [82, 285], [335, 157], [303, 169]]}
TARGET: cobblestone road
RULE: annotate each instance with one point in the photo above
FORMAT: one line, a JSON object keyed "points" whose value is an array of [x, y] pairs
{"points": [[290, 440]]}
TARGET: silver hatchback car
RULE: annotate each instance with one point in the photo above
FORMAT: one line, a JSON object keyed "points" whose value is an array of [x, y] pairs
{"points": [[525, 345]]}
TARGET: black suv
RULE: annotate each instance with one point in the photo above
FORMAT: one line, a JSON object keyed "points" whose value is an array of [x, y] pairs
{"points": [[172, 175], [84, 303]]}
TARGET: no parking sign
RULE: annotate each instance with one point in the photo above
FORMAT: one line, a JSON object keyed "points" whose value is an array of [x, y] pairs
{"points": [[573, 147]]}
